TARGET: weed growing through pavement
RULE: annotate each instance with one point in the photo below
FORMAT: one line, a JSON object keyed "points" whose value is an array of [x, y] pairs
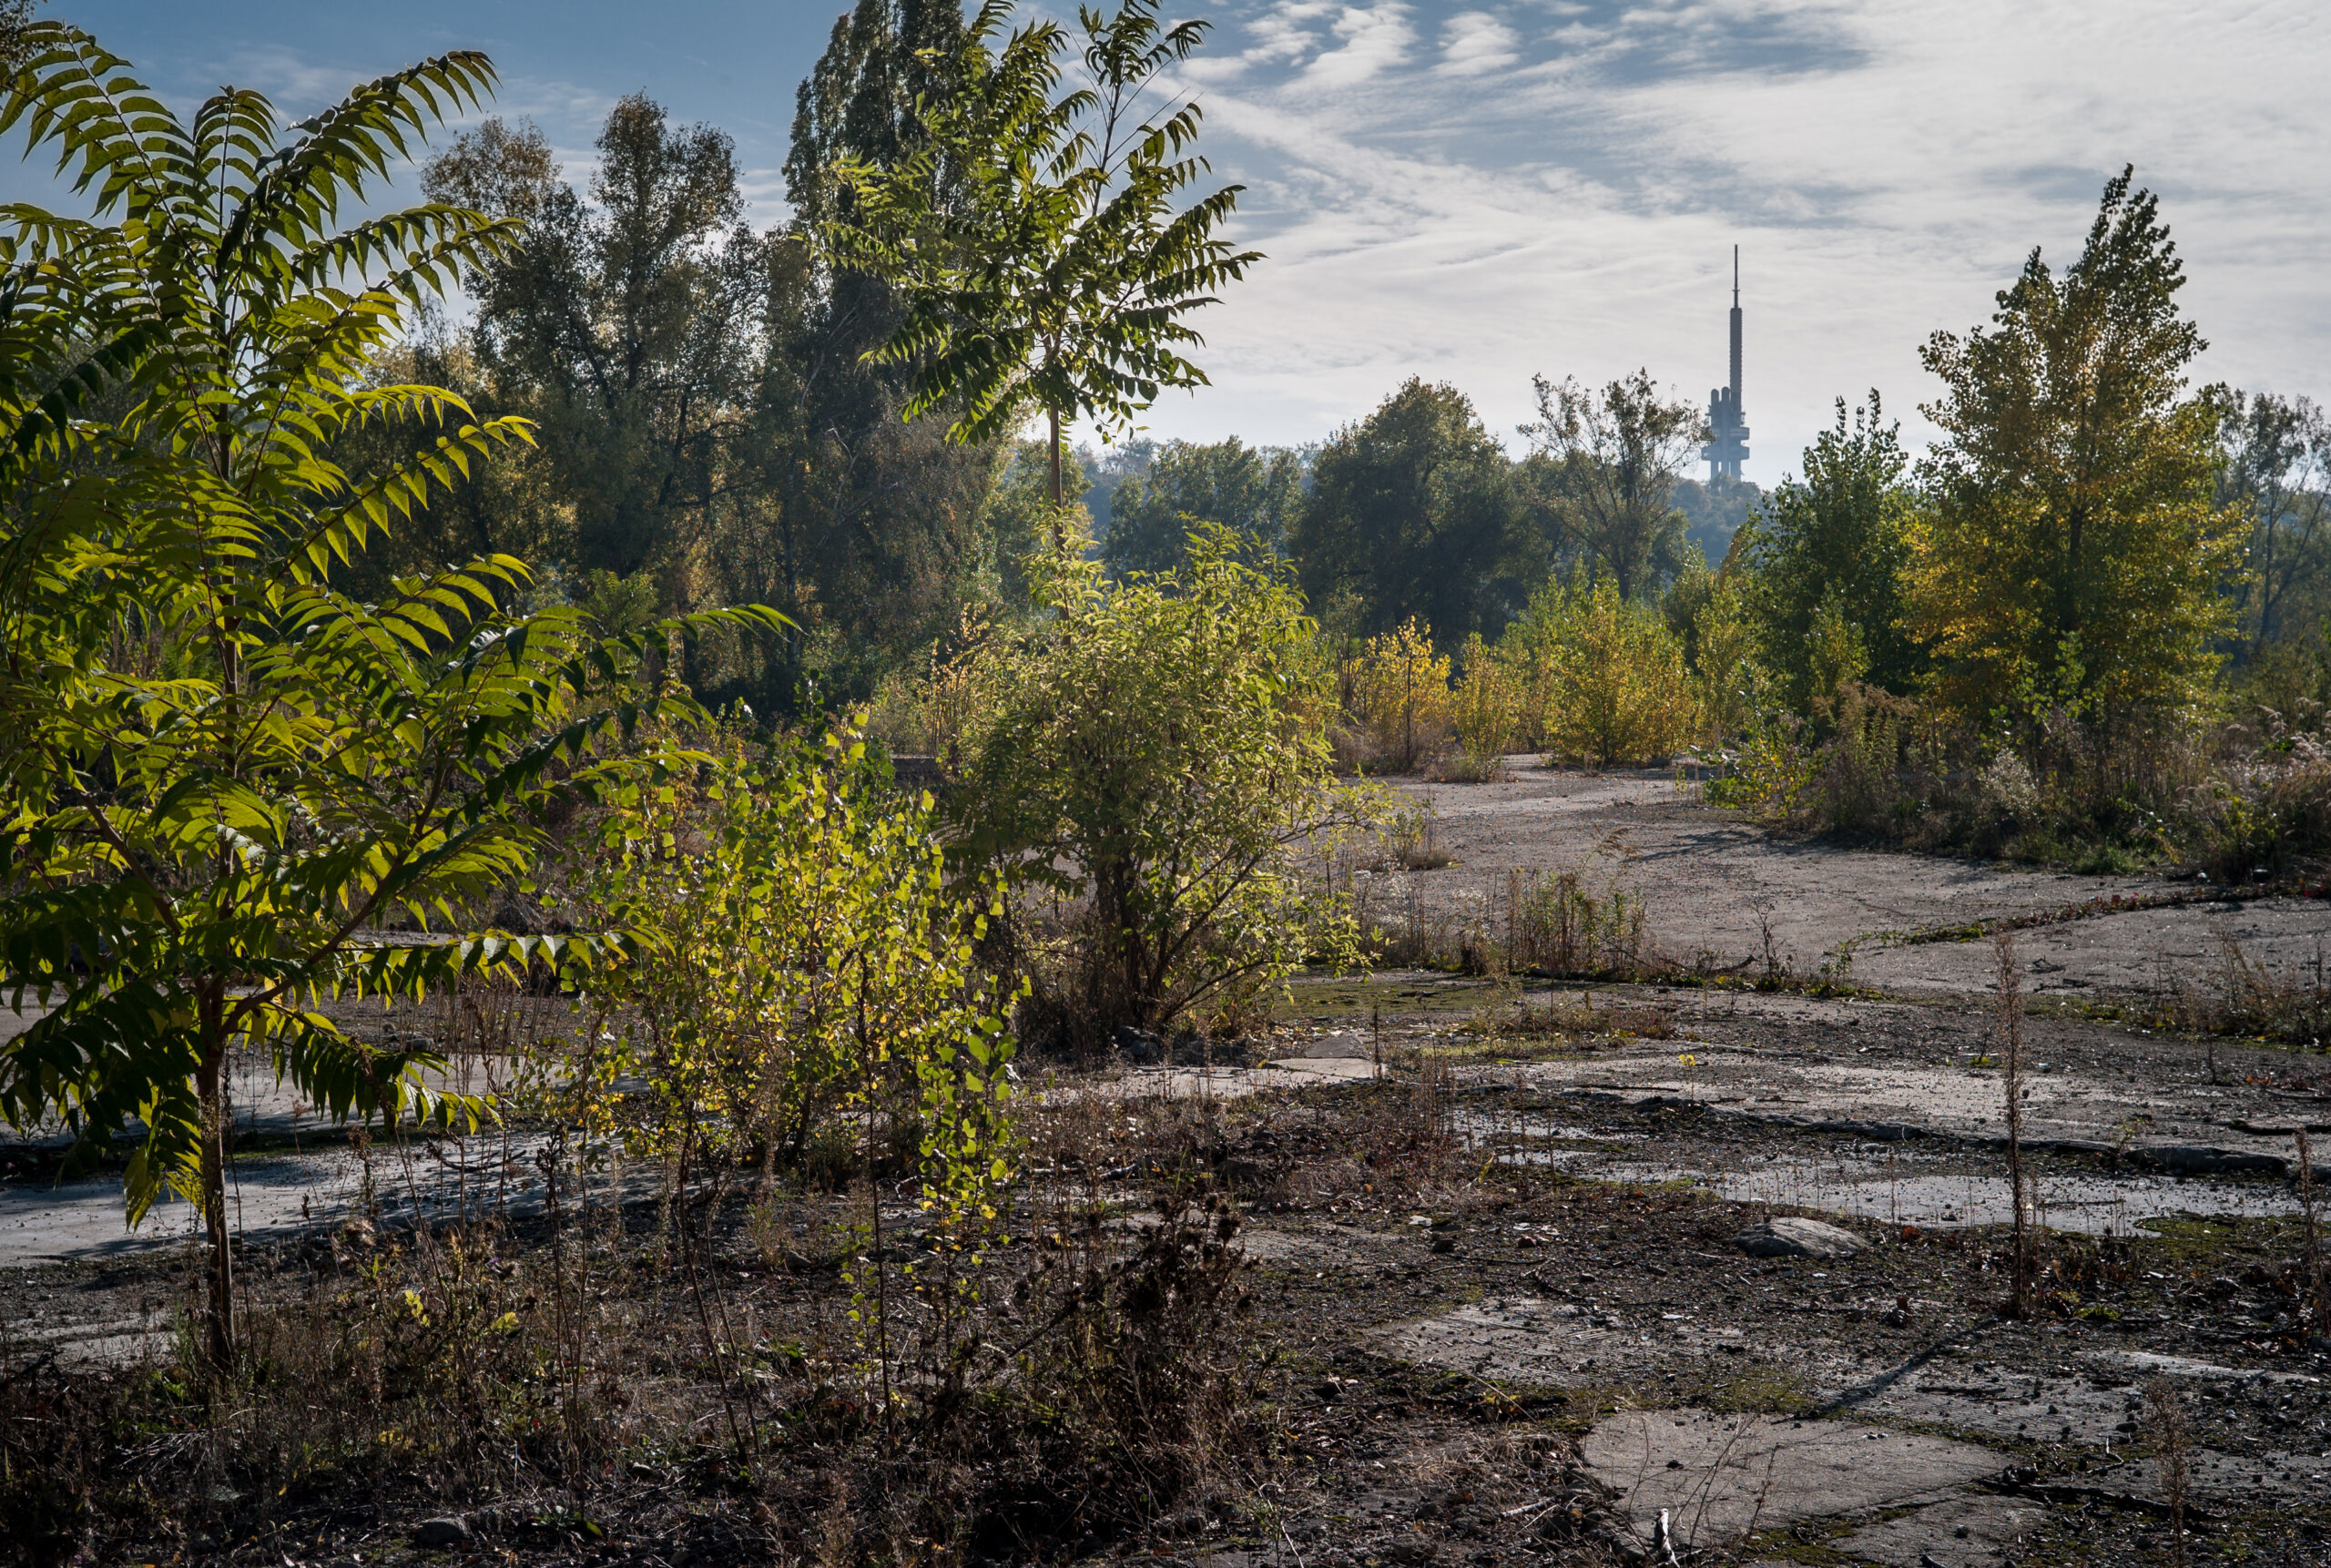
{"points": [[2172, 1449], [2322, 1297]]}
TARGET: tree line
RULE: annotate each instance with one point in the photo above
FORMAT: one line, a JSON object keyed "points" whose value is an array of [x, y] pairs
{"points": [[729, 416], [720, 417]]}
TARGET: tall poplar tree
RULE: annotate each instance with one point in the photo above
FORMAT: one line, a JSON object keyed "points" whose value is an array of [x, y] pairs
{"points": [[2070, 554]]}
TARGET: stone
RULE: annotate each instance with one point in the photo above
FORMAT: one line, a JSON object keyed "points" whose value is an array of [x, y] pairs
{"points": [[441, 1535], [1786, 1237], [2191, 1161]]}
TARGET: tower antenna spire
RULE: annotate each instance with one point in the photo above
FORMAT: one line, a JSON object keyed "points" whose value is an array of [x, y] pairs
{"points": [[1727, 445]]}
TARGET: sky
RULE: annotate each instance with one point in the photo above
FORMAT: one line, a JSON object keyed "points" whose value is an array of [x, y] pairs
{"points": [[1478, 191]]}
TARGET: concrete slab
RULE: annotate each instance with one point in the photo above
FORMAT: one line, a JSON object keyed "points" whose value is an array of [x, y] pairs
{"points": [[1816, 1086], [2148, 1364], [1981, 1398], [1972, 1532], [1528, 1341], [1714, 884], [1922, 1189], [1722, 1476]]}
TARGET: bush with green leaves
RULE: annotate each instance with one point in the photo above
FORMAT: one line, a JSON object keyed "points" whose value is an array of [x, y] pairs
{"points": [[801, 973], [1604, 675], [1824, 566], [1154, 757], [220, 774]]}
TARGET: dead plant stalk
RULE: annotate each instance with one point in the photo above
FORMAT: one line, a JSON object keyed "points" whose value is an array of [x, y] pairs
{"points": [[2322, 1325], [2011, 1056], [2174, 1443]]}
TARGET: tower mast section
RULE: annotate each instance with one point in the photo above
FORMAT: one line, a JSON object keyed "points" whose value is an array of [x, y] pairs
{"points": [[1727, 446]]}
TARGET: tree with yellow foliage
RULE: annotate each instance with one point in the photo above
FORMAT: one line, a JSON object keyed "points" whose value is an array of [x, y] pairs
{"points": [[1398, 690], [1483, 710], [2068, 553]]}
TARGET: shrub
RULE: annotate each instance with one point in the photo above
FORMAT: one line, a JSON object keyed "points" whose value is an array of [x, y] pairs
{"points": [[1557, 924], [1720, 651], [1141, 1384], [1155, 757], [1398, 690], [800, 966], [2270, 812], [1615, 686], [1484, 711]]}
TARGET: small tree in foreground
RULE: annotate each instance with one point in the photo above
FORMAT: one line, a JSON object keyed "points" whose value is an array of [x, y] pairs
{"points": [[807, 999], [1156, 752], [222, 774], [1397, 689]]}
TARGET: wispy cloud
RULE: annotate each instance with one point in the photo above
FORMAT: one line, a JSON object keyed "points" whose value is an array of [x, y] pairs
{"points": [[1476, 189], [1497, 186], [1370, 40], [1474, 43]]}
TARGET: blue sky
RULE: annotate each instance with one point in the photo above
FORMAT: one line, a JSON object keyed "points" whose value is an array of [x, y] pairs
{"points": [[1478, 191]]}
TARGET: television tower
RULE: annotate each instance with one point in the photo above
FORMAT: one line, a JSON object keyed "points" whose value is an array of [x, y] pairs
{"points": [[1727, 447]]}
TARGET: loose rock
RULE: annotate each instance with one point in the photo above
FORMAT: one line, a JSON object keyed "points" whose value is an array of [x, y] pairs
{"points": [[1790, 1237], [440, 1534]]}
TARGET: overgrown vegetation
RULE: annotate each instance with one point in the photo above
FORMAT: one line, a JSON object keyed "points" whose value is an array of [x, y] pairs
{"points": [[792, 752], [1154, 758]]}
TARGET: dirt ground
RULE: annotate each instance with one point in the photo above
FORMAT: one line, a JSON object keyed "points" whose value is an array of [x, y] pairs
{"points": [[1721, 889], [1515, 1296]]}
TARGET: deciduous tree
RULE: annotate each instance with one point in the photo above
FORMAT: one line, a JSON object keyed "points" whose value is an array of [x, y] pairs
{"points": [[1413, 513], [1601, 471], [1836, 541], [1037, 234], [2278, 474], [222, 772], [626, 322], [2069, 552], [1257, 491]]}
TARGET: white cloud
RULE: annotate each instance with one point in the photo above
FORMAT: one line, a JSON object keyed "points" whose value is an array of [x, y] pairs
{"points": [[1375, 37], [1474, 43], [1885, 165]]}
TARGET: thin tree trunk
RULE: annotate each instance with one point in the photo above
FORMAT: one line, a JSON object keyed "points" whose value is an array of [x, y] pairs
{"points": [[214, 1205], [1060, 529]]}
